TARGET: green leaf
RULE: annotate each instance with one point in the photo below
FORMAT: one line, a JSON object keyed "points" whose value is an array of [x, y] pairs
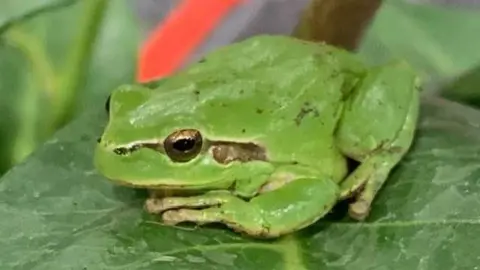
{"points": [[58, 213], [56, 58], [440, 41], [465, 88], [17, 11]]}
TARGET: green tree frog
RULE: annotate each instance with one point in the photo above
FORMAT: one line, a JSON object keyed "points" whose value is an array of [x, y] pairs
{"points": [[257, 135]]}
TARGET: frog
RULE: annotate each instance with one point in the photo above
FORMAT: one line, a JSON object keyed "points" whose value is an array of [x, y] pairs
{"points": [[258, 134]]}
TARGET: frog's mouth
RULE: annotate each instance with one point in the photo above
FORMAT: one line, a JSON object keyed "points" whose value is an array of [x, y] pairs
{"points": [[176, 163], [144, 168]]}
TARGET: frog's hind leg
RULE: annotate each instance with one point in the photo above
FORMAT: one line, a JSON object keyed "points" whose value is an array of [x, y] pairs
{"points": [[377, 129], [272, 214]]}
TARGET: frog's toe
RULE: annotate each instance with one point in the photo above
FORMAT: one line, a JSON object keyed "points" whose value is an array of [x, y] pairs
{"points": [[155, 205], [359, 210], [172, 217], [217, 215]]}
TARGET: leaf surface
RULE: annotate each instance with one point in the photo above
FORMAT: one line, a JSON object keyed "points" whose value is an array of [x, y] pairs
{"points": [[58, 213]]}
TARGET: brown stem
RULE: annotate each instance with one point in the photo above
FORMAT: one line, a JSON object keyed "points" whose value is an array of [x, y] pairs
{"points": [[337, 22]]}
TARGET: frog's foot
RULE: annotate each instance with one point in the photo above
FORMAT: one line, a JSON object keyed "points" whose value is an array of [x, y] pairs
{"points": [[236, 220], [369, 177], [289, 208], [377, 129], [219, 207], [365, 182]]}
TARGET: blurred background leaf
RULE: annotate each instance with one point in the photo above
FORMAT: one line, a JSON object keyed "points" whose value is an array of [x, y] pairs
{"points": [[465, 88], [17, 11], [57, 57], [440, 41]]}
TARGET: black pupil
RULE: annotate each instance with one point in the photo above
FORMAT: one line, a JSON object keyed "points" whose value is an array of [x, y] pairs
{"points": [[184, 145]]}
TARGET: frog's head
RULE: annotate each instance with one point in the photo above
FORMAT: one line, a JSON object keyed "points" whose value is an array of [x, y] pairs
{"points": [[164, 139]]}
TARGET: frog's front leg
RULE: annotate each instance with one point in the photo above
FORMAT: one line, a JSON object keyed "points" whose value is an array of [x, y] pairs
{"points": [[291, 207], [221, 206], [156, 205], [377, 129]]}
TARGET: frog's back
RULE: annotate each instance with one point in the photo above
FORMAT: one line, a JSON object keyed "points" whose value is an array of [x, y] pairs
{"points": [[280, 92]]}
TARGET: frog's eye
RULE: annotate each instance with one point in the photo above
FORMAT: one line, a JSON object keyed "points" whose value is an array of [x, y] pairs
{"points": [[183, 145]]}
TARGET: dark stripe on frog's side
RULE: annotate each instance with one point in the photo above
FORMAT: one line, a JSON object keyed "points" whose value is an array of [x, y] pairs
{"points": [[226, 152], [223, 152], [127, 150]]}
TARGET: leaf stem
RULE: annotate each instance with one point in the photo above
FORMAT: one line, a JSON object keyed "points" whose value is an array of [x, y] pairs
{"points": [[340, 23], [291, 253], [44, 80], [78, 61]]}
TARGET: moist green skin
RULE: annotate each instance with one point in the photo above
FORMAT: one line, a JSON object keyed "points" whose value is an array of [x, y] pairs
{"points": [[278, 118]]}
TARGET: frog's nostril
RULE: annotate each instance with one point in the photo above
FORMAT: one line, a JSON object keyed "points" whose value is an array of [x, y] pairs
{"points": [[121, 151], [99, 140]]}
